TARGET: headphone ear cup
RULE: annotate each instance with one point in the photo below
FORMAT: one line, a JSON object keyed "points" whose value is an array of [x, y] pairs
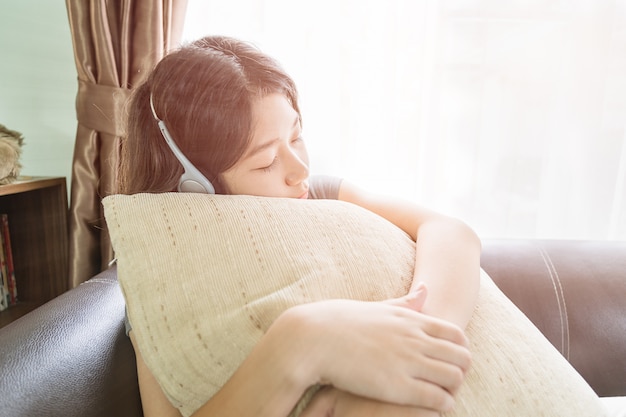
{"points": [[190, 184], [192, 180]]}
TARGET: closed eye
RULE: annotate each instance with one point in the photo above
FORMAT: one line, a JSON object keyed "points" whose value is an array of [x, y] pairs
{"points": [[269, 167]]}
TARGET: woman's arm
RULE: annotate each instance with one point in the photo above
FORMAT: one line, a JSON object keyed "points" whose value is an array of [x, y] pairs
{"points": [[371, 349], [447, 252], [316, 342], [333, 402], [153, 400], [447, 261], [266, 384]]}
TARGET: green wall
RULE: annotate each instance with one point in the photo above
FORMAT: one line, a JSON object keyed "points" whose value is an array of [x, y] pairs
{"points": [[38, 83]]}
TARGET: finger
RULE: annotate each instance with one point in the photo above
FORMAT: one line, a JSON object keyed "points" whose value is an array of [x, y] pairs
{"points": [[443, 374], [442, 329], [434, 397], [421, 393], [447, 352]]}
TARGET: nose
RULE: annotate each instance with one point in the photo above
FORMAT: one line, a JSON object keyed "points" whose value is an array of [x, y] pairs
{"points": [[297, 168]]}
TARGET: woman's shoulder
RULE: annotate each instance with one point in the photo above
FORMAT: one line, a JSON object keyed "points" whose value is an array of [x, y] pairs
{"points": [[324, 187]]}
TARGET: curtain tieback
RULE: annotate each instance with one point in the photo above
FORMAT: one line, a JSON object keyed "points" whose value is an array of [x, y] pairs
{"points": [[100, 107]]}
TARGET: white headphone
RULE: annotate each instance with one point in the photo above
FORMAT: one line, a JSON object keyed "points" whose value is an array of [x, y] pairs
{"points": [[192, 180]]}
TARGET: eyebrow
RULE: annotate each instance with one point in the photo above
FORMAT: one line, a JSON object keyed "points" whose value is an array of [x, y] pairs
{"points": [[269, 143]]}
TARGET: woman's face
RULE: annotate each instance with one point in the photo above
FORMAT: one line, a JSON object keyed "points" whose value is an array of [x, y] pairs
{"points": [[276, 163]]}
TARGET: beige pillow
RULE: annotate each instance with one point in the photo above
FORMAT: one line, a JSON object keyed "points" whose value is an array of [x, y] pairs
{"points": [[204, 276]]}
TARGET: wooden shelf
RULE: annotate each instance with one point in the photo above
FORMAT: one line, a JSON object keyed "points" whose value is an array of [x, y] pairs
{"points": [[15, 312], [37, 209]]}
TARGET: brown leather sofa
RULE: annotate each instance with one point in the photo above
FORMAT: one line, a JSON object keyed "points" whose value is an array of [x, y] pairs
{"points": [[70, 357]]}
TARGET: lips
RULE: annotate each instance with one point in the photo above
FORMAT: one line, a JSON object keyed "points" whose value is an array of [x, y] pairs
{"points": [[304, 196]]}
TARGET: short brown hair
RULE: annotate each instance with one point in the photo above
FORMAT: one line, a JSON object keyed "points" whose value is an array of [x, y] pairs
{"points": [[203, 92]]}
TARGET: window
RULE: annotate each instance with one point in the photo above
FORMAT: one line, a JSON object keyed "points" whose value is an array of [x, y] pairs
{"points": [[509, 115]]}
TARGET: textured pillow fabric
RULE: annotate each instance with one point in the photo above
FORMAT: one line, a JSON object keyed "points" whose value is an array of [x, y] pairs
{"points": [[204, 276], [515, 370]]}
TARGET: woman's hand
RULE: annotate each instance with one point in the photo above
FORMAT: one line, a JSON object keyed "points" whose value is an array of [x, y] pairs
{"points": [[382, 350], [333, 402]]}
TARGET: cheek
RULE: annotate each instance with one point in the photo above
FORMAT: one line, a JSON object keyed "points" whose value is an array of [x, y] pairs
{"points": [[245, 183], [221, 186], [231, 181]]}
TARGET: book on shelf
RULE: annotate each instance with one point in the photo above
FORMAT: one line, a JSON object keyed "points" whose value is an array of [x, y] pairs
{"points": [[4, 296], [8, 290], [5, 293], [8, 251]]}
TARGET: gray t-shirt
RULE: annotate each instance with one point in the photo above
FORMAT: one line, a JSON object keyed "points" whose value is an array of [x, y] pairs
{"points": [[321, 187]]}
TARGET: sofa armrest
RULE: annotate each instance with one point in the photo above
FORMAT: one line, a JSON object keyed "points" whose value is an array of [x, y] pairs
{"points": [[71, 357], [575, 293]]}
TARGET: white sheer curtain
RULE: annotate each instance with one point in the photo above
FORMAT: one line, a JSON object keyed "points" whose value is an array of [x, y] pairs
{"points": [[508, 114]]}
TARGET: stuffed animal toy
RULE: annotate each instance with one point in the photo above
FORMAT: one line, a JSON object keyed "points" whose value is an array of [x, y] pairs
{"points": [[10, 152]]}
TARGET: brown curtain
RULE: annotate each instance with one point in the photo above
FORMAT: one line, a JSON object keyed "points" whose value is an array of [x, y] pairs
{"points": [[116, 43]]}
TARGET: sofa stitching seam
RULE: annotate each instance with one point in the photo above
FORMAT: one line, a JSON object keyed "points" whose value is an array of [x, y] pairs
{"points": [[558, 290]]}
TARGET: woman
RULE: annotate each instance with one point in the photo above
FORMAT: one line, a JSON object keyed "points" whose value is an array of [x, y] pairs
{"points": [[233, 114]]}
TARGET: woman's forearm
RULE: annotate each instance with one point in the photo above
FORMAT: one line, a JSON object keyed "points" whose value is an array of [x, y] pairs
{"points": [[447, 252], [376, 350], [360, 347], [447, 260], [268, 383]]}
